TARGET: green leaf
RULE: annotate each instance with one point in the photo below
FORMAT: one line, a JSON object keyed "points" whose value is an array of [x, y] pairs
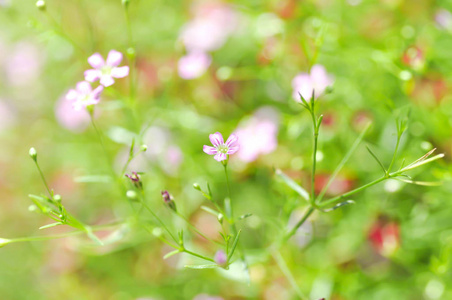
{"points": [[171, 254], [198, 267], [423, 183], [244, 216], [234, 245], [293, 185], [50, 225], [376, 158], [210, 211], [339, 205]]}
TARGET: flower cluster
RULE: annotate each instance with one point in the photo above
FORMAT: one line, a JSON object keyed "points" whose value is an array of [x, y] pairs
{"points": [[84, 95], [208, 31]]}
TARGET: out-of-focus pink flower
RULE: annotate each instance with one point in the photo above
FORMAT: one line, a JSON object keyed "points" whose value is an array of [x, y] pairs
{"points": [[258, 135], [83, 95], [73, 120], [23, 65], [221, 150], [193, 65], [305, 83], [209, 30], [7, 116], [106, 70], [443, 19], [220, 258]]}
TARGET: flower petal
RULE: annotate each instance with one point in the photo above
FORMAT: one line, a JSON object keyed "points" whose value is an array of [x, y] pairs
{"points": [[71, 95], [232, 140], [220, 156], [216, 139], [233, 149], [120, 72], [209, 150], [92, 75], [83, 87], [107, 80], [114, 58], [96, 93], [96, 61]]}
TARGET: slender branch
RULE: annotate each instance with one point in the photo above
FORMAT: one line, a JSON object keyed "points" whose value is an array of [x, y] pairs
{"points": [[301, 222]]}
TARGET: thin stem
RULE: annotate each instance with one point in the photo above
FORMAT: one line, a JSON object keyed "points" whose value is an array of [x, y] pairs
{"points": [[395, 153], [332, 200], [286, 271], [43, 178], [160, 221], [301, 222], [196, 229], [227, 181], [198, 255], [342, 163]]}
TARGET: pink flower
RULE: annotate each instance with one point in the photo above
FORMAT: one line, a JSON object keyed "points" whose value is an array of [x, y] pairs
{"points": [[221, 150], [317, 80], [210, 28], [258, 135], [83, 95], [73, 120], [220, 258], [193, 65], [106, 71], [443, 19]]}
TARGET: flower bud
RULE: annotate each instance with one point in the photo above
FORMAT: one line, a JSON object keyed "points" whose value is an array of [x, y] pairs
{"points": [[157, 232], [131, 52], [196, 186], [57, 198], [41, 5], [220, 218], [136, 179], [32, 207], [144, 148], [125, 2], [168, 200], [4, 242], [33, 154], [132, 195], [220, 258]]}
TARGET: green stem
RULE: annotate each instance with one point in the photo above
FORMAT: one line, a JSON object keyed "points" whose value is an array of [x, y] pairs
{"points": [[301, 222], [395, 153], [43, 179], [198, 255], [196, 229], [158, 220]]}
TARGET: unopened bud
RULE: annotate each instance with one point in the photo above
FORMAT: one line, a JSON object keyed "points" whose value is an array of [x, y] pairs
{"points": [[33, 154], [157, 232], [220, 258], [144, 148], [57, 198], [32, 208], [4, 242], [196, 186], [132, 195], [41, 5], [168, 200], [131, 52], [220, 218], [125, 2]]}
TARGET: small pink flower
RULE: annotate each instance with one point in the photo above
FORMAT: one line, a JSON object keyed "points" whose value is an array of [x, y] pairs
{"points": [[317, 80], [221, 150], [220, 258], [193, 65], [83, 95], [106, 71]]}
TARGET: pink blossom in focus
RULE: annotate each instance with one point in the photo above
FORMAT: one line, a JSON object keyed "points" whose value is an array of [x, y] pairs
{"points": [[443, 19], [193, 65], [258, 135], [67, 117], [106, 71], [211, 27], [317, 80], [24, 64], [221, 150], [83, 95]]}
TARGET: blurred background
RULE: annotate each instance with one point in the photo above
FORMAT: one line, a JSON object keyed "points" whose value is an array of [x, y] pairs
{"points": [[198, 67]]}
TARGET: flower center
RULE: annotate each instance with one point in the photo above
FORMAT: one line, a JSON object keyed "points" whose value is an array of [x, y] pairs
{"points": [[106, 70], [223, 148]]}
